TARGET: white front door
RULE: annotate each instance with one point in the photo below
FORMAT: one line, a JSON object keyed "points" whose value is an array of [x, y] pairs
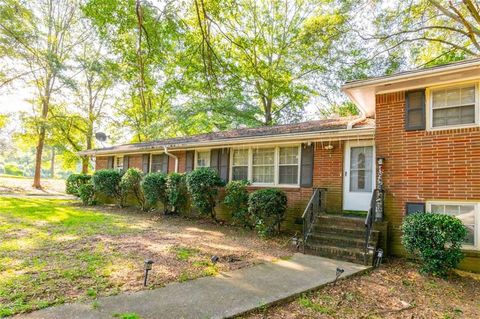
{"points": [[358, 175]]}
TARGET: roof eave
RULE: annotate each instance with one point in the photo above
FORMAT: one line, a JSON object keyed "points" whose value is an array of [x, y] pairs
{"points": [[310, 136]]}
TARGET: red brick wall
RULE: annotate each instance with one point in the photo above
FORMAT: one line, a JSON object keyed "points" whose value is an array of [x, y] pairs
{"points": [[135, 161], [422, 165], [101, 162], [328, 173]]}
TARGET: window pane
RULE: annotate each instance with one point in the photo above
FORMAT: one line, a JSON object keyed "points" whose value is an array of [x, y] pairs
{"points": [[466, 213], [263, 156], [203, 159], [415, 101], [240, 173], [438, 98], [454, 116], [240, 157], [468, 95], [262, 174], [289, 155], [288, 174], [453, 96]]}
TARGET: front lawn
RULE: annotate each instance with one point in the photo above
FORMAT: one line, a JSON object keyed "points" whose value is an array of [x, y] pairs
{"points": [[396, 290], [53, 251]]}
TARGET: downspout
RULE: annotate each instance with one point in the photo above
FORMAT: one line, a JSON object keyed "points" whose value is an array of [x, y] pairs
{"points": [[171, 155]]}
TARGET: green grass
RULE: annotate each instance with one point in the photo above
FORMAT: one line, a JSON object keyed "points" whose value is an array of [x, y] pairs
{"points": [[46, 255], [308, 303]]}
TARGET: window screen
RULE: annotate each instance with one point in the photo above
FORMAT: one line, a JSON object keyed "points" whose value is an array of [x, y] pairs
{"points": [[415, 110], [240, 164], [453, 106], [288, 165]]}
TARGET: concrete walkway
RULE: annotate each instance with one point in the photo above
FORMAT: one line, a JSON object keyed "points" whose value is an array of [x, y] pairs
{"points": [[225, 295]]}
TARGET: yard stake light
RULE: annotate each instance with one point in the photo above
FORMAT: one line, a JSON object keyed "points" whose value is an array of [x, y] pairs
{"points": [[214, 259], [378, 260], [338, 273], [148, 266]]}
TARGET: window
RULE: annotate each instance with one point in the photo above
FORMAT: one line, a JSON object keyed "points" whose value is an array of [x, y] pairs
{"points": [[203, 159], [263, 165], [466, 212], [454, 106], [288, 165], [157, 163], [415, 110], [270, 166], [119, 162], [240, 165]]}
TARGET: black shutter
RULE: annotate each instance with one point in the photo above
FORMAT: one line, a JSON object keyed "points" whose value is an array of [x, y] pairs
{"points": [[412, 208], [165, 163], [306, 169], [126, 162], [415, 110], [214, 159], [146, 163], [189, 161], [224, 164], [110, 161]]}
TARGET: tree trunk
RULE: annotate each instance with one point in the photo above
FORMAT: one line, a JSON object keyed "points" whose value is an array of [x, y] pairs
{"points": [[38, 159], [52, 164]]}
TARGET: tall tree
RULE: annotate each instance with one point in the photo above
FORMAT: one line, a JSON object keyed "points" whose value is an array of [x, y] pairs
{"points": [[264, 54], [431, 31], [37, 36]]}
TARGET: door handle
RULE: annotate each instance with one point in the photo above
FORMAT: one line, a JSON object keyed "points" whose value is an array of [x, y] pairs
{"points": [[346, 173]]}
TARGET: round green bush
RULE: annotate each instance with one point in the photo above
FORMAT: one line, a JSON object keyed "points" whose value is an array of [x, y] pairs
{"points": [[155, 189], [74, 181], [107, 182], [436, 239], [267, 207], [177, 193], [11, 169], [203, 184], [131, 184], [86, 193], [236, 199]]}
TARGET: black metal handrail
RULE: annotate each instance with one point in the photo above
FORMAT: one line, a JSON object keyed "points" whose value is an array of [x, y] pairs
{"points": [[376, 196], [311, 212]]}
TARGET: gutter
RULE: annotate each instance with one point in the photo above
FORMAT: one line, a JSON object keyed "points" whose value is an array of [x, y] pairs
{"points": [[165, 149]]}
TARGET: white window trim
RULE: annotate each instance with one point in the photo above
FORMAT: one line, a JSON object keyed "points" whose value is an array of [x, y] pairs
{"points": [[476, 246], [196, 157], [275, 165], [429, 106]]}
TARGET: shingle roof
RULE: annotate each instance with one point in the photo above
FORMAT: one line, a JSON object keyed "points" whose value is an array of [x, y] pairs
{"points": [[320, 126]]}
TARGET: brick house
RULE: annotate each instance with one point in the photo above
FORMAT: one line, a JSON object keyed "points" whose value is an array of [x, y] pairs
{"points": [[420, 128]]}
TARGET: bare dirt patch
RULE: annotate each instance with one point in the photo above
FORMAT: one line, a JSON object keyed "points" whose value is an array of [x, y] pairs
{"points": [[396, 290], [23, 185]]}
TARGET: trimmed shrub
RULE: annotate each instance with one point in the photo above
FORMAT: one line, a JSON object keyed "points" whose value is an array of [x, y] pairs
{"points": [[12, 169], [155, 189], [177, 193], [267, 207], [436, 239], [107, 182], [203, 184], [131, 184], [86, 193], [74, 181], [236, 199]]}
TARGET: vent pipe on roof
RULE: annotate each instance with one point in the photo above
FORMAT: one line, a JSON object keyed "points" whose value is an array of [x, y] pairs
{"points": [[171, 155]]}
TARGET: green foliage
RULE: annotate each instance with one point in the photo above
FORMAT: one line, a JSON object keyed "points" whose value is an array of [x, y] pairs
{"points": [[177, 193], [107, 182], [203, 184], [236, 199], [267, 206], [155, 189], [74, 181], [131, 184], [436, 239], [12, 169], [86, 192]]}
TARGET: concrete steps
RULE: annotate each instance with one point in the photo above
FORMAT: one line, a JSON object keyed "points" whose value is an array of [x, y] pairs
{"points": [[342, 238]]}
